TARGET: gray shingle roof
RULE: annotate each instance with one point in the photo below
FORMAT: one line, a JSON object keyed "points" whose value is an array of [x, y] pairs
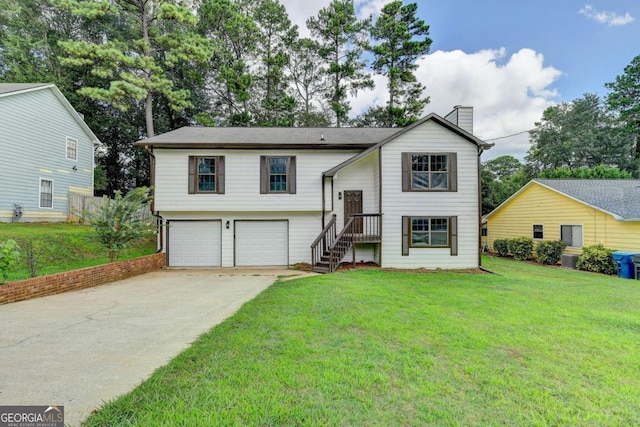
{"points": [[16, 87], [271, 137], [620, 197]]}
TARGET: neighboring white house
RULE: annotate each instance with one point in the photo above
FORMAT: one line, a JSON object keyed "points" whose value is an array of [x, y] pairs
{"points": [[47, 152], [405, 197]]}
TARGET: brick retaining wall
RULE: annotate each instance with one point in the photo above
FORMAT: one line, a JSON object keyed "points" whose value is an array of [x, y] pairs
{"points": [[79, 279]]}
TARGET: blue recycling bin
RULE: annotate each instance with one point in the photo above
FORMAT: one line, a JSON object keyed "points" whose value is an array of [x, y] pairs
{"points": [[624, 264]]}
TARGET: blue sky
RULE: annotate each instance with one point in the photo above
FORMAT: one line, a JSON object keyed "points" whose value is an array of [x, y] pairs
{"points": [[510, 59]]}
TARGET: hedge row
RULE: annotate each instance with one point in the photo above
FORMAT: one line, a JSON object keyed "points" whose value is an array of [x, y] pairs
{"points": [[594, 258]]}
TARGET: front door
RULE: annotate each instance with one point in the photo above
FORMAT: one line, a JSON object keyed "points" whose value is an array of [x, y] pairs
{"points": [[353, 205]]}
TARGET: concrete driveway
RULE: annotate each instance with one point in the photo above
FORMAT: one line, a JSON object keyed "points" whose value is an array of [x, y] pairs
{"points": [[80, 349]]}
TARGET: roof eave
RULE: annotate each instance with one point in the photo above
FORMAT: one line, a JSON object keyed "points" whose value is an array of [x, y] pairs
{"points": [[432, 116], [514, 195], [236, 145]]}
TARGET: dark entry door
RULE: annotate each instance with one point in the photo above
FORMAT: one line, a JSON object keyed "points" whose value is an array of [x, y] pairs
{"points": [[353, 205]]}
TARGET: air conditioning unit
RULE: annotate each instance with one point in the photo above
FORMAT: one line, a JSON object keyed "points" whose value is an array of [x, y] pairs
{"points": [[17, 211], [569, 261]]}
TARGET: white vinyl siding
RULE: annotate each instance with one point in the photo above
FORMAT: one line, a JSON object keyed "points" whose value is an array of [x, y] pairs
{"points": [[242, 181], [432, 138], [361, 175]]}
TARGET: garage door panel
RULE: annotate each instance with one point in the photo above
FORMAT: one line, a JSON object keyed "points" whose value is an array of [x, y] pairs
{"points": [[195, 243], [261, 243]]}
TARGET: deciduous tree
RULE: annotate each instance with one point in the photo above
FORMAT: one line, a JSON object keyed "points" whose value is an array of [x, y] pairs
{"points": [[578, 133]]}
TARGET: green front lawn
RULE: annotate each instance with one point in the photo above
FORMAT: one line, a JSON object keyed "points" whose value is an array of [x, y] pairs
{"points": [[67, 247], [532, 346]]}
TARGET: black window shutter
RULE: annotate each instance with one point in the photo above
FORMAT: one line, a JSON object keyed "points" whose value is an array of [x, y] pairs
{"points": [[264, 175], [405, 235], [220, 165], [453, 234], [291, 179], [406, 172], [453, 171], [193, 164]]}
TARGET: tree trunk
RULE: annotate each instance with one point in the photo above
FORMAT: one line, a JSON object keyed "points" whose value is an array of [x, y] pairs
{"points": [[148, 104], [148, 113]]}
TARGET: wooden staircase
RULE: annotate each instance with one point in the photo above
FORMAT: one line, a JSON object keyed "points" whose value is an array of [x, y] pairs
{"points": [[329, 248]]}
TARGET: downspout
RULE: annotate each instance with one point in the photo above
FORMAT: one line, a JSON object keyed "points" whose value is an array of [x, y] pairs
{"points": [[323, 200], [480, 151], [380, 203], [159, 220]]}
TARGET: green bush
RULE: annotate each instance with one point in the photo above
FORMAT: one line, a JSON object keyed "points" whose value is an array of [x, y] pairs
{"points": [[38, 252], [597, 259], [9, 255], [521, 248], [550, 252], [500, 247]]}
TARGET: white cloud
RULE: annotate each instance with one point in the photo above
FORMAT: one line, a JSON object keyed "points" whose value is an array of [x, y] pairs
{"points": [[369, 7], [508, 94], [610, 18]]}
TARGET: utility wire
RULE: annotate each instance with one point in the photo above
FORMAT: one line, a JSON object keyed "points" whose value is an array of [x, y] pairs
{"points": [[509, 136]]}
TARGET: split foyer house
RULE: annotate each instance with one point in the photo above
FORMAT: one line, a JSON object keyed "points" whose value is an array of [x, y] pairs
{"points": [[47, 152], [582, 212], [405, 197]]}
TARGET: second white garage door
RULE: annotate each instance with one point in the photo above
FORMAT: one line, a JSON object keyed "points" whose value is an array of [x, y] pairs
{"points": [[194, 243], [262, 243]]}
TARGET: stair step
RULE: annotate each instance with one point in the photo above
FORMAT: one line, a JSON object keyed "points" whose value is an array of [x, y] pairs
{"points": [[319, 269]]}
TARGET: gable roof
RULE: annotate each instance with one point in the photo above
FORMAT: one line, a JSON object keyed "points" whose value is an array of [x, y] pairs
{"points": [[14, 89], [260, 137], [7, 88], [480, 144], [619, 198]]}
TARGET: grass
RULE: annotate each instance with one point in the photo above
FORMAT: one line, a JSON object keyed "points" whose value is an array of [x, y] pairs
{"points": [[70, 246], [532, 346]]}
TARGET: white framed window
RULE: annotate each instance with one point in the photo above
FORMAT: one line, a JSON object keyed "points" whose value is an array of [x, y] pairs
{"points": [[46, 193], [538, 231], [72, 149], [277, 174], [206, 174], [571, 234], [429, 232], [429, 172]]}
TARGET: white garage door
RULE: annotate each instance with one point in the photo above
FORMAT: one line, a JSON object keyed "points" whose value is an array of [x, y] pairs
{"points": [[262, 243], [194, 243]]}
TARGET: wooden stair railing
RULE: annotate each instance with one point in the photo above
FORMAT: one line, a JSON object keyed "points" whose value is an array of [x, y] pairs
{"points": [[322, 243], [329, 249]]}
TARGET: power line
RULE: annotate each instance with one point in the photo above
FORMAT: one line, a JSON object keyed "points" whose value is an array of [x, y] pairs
{"points": [[509, 136]]}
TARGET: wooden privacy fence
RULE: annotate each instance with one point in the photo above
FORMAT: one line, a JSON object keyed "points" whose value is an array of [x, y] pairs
{"points": [[80, 204]]}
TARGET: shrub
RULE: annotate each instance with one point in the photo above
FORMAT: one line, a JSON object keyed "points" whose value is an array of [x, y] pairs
{"points": [[118, 221], [597, 259], [550, 252], [500, 246], [521, 248], [40, 252], [9, 255]]}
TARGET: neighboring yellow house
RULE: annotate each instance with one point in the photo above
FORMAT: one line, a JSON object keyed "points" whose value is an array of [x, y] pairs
{"points": [[582, 212]]}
